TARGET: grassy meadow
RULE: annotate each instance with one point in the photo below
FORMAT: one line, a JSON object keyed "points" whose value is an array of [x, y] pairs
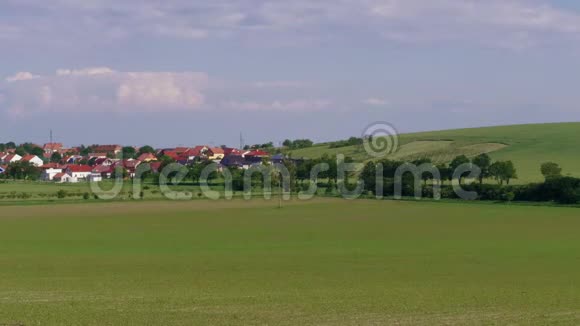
{"points": [[528, 146], [319, 262]]}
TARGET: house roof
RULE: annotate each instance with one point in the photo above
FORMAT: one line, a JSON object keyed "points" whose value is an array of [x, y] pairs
{"points": [[174, 155], [196, 151], [130, 164], [64, 151], [51, 166], [60, 175], [78, 168], [155, 166], [229, 150], [107, 148], [256, 152], [103, 169], [71, 157], [180, 150], [146, 156], [52, 146], [101, 160], [232, 160], [97, 155], [28, 158], [10, 157], [217, 150]]}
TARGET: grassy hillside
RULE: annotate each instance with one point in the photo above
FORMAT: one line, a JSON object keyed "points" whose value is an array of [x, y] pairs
{"points": [[527, 145], [320, 262]]}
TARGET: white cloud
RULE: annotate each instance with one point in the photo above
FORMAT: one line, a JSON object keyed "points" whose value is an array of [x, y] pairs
{"points": [[85, 71], [104, 89], [277, 105], [146, 89], [375, 101], [280, 84], [22, 76], [184, 32]]}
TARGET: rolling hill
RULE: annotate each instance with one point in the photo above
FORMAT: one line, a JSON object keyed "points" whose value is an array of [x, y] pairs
{"points": [[528, 146]]}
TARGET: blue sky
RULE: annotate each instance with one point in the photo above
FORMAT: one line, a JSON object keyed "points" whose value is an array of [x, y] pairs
{"points": [[189, 72]]}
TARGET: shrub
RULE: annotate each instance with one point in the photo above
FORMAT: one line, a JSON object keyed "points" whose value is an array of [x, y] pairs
{"points": [[86, 196], [61, 194], [569, 196], [508, 196]]}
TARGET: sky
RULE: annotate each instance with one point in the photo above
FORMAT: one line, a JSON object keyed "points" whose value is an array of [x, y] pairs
{"points": [[186, 72]]}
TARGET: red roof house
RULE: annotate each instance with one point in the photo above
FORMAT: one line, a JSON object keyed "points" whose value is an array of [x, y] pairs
{"points": [[52, 147], [256, 153], [71, 168], [33, 159], [146, 157], [109, 149]]}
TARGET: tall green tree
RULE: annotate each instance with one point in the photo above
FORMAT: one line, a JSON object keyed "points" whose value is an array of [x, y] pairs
{"points": [[483, 161], [23, 170], [503, 171], [456, 163], [509, 172], [128, 152], [551, 170], [146, 149], [55, 157]]}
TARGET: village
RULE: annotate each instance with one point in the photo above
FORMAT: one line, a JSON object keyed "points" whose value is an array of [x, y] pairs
{"points": [[68, 165]]}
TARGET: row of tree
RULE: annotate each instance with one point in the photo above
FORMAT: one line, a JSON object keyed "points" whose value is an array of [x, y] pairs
{"points": [[298, 143], [501, 171]]}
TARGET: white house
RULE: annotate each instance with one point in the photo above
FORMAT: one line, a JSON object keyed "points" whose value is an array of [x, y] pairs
{"points": [[95, 177], [79, 172], [33, 159], [64, 178], [11, 158], [48, 174]]}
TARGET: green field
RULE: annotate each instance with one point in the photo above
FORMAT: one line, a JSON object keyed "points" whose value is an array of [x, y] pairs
{"points": [[320, 262], [528, 146], [29, 192]]}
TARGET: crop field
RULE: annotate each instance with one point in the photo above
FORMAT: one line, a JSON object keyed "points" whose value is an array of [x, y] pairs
{"points": [[528, 146], [319, 262]]}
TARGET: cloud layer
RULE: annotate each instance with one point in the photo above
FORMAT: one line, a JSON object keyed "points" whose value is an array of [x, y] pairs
{"points": [[504, 23], [103, 90]]}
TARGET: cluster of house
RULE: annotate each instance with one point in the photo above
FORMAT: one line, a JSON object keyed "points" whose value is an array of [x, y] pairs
{"points": [[7, 158], [100, 164]]}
